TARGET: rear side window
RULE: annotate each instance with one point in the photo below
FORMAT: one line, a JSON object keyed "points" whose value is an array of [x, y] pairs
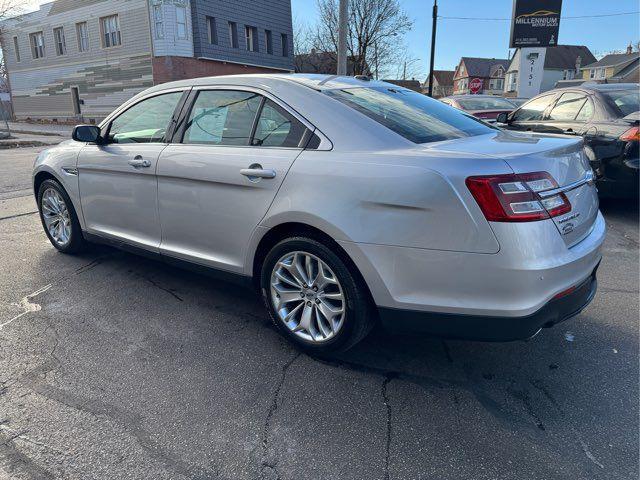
{"points": [[145, 122], [532, 110], [414, 116], [222, 117], [567, 106], [277, 128]]}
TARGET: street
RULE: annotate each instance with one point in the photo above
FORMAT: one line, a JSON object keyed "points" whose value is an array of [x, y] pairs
{"points": [[115, 366]]}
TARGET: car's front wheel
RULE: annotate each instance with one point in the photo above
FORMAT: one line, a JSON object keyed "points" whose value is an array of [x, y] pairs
{"points": [[59, 218], [313, 297]]}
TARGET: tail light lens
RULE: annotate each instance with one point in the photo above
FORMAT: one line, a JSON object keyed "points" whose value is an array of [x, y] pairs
{"points": [[633, 134], [515, 197]]}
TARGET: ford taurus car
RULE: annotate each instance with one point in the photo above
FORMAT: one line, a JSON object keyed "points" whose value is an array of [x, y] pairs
{"points": [[344, 202]]}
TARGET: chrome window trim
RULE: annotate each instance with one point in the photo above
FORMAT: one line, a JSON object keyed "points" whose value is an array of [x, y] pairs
{"points": [[588, 178]]}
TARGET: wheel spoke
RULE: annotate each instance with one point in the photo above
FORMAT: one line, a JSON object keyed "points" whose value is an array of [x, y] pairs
{"points": [[55, 215]]}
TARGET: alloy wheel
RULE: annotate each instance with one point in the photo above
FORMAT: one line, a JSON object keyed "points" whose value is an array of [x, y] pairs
{"points": [[56, 217], [307, 297]]}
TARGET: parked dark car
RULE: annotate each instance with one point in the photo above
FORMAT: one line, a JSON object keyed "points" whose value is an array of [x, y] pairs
{"points": [[605, 115], [486, 107]]}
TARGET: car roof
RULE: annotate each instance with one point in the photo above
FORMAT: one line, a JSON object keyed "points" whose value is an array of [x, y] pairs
{"points": [[318, 82], [599, 87]]}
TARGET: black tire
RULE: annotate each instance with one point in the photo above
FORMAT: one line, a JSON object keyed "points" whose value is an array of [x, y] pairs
{"points": [[77, 242], [359, 316]]}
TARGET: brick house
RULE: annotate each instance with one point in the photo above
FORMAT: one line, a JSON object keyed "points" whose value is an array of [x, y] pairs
{"points": [[490, 71], [75, 59]]}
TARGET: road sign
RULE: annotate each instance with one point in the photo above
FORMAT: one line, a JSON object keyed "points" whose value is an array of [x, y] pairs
{"points": [[535, 23], [475, 85]]}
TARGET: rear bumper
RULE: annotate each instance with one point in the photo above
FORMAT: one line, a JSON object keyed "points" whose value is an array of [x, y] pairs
{"points": [[491, 328]]}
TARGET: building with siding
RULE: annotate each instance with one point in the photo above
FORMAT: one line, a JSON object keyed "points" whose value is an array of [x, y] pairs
{"points": [[79, 59], [489, 71]]}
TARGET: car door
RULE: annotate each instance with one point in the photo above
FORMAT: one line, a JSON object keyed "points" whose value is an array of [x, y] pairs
{"points": [[215, 185], [529, 116], [117, 179]]}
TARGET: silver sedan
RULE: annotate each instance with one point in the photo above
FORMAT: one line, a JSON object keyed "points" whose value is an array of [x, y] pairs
{"points": [[345, 202]]}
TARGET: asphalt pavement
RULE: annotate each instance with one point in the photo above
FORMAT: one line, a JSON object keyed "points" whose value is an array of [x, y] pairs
{"points": [[114, 366]]}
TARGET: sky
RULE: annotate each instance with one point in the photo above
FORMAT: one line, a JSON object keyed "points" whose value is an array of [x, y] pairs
{"points": [[477, 38]]}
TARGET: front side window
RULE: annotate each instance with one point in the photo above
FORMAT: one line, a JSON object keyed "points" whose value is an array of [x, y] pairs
{"points": [[158, 21], [532, 110], [567, 107], [414, 116], [61, 44], [111, 36], [16, 48], [277, 128], [222, 117], [145, 122], [83, 36], [37, 44], [181, 20]]}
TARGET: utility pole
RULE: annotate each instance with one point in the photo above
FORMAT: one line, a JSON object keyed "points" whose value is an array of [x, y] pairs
{"points": [[433, 45], [343, 25]]}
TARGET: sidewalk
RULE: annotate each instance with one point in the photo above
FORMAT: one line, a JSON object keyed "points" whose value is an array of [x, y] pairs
{"points": [[22, 140], [41, 129]]}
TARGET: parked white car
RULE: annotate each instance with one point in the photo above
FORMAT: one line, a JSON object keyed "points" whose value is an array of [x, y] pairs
{"points": [[343, 200]]}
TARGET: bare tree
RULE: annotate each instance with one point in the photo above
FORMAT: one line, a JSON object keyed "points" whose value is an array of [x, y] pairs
{"points": [[373, 28]]}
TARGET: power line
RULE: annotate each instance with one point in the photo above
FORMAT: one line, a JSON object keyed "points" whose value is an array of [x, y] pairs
{"points": [[562, 18]]}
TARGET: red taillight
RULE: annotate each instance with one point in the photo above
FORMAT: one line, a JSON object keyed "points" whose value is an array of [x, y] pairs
{"points": [[633, 134], [515, 198]]}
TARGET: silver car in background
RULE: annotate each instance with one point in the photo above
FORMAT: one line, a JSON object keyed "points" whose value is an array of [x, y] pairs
{"points": [[344, 201]]}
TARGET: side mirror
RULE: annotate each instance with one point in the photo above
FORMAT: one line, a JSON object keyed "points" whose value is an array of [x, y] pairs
{"points": [[87, 133], [502, 118]]}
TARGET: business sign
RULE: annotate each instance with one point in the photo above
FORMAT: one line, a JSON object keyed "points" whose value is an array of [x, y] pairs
{"points": [[535, 23], [475, 85]]}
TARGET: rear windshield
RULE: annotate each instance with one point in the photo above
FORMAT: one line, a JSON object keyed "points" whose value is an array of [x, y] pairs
{"points": [[486, 104], [626, 101], [414, 116]]}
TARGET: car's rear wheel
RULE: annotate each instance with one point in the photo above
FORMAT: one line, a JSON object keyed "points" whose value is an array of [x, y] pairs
{"points": [[313, 297], [59, 218]]}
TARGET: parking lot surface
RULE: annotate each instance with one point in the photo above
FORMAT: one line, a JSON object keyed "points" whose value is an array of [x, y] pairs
{"points": [[113, 366]]}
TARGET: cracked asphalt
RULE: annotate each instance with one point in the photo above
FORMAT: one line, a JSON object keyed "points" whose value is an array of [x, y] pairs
{"points": [[113, 366]]}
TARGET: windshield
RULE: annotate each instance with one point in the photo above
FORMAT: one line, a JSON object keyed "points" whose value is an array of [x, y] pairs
{"points": [[414, 116], [626, 101], [484, 103]]}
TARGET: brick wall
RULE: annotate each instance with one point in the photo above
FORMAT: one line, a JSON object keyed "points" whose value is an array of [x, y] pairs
{"points": [[168, 69]]}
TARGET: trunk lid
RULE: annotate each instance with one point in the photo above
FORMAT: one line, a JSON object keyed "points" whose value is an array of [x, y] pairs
{"points": [[565, 161], [561, 156]]}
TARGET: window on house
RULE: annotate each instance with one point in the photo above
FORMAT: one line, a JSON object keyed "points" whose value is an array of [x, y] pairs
{"points": [[83, 36], [568, 74], [251, 36], [268, 40], [158, 21], [16, 48], [212, 30], [58, 38], [233, 34], [512, 81], [181, 22], [496, 84], [285, 44], [37, 44], [111, 36]]}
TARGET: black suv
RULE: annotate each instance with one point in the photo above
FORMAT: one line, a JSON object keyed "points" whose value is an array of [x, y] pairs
{"points": [[606, 115]]}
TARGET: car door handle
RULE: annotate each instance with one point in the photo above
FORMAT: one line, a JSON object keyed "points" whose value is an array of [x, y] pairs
{"points": [[139, 162], [253, 173]]}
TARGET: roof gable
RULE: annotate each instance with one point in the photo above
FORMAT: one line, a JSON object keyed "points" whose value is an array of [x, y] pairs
{"points": [[482, 67], [563, 57]]}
